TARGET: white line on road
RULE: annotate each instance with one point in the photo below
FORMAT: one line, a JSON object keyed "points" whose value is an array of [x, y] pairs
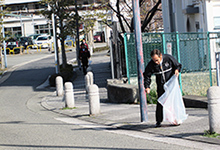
{"points": [[141, 135]]}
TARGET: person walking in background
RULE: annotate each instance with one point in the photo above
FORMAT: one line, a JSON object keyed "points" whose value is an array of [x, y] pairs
{"points": [[84, 55], [84, 43], [163, 66]]}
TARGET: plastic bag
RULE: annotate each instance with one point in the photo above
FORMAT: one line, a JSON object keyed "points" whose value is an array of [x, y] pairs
{"points": [[172, 102]]}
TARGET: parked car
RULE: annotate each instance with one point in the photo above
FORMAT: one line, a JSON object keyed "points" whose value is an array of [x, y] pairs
{"points": [[44, 41], [25, 41], [34, 36], [99, 37], [11, 43]]}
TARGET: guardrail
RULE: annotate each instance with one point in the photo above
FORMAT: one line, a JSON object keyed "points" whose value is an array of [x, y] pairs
{"points": [[38, 47], [27, 48], [49, 46]]}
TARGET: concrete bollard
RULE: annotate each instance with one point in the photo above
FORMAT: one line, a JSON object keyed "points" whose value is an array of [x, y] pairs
{"points": [[69, 95], [59, 86], [87, 82], [94, 99], [213, 108], [91, 79]]}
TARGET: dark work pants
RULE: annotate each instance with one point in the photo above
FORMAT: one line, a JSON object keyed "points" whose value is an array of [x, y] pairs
{"points": [[85, 66], [159, 109]]}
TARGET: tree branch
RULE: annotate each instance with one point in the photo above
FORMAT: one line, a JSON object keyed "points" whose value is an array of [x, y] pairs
{"points": [[119, 16], [150, 15]]}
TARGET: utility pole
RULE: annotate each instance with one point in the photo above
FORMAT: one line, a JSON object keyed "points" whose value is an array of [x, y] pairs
{"points": [[140, 59]]}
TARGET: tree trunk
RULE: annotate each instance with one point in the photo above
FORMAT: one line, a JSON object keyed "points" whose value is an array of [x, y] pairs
{"points": [[63, 46]]}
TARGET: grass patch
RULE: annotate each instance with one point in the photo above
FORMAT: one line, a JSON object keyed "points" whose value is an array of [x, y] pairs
{"points": [[101, 49], [67, 108], [152, 99], [209, 134]]}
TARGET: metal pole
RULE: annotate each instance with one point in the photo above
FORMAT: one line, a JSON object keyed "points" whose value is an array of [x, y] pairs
{"points": [[164, 43], [209, 55], [55, 43], [178, 57], [3, 35], [126, 57], [140, 60], [33, 22], [22, 27], [217, 56], [111, 58]]}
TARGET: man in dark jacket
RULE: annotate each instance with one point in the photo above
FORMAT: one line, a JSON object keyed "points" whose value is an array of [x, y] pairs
{"points": [[84, 55], [163, 66]]}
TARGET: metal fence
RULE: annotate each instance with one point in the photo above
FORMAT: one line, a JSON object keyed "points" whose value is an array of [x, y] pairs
{"points": [[195, 51]]}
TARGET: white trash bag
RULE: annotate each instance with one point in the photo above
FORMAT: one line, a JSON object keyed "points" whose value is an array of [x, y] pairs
{"points": [[172, 102]]}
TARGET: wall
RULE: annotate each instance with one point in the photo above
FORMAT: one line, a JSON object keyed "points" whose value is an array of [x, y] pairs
{"points": [[213, 10]]}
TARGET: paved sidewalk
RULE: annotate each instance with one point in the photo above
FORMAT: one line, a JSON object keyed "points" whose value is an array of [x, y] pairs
{"points": [[127, 116]]}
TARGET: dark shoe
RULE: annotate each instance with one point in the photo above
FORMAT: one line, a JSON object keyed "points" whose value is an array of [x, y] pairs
{"points": [[158, 124], [176, 124]]}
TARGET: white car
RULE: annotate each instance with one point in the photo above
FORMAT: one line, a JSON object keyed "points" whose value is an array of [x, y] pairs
{"points": [[44, 41]]}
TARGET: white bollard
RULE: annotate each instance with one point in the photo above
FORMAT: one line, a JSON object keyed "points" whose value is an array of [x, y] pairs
{"points": [[59, 86], [87, 82], [91, 79], [69, 95], [94, 100], [213, 108]]}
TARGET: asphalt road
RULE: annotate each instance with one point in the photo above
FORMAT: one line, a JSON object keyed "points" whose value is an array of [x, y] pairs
{"points": [[25, 124]]}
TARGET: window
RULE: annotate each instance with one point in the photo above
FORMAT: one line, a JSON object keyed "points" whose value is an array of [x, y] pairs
{"points": [[217, 22], [13, 31], [45, 28]]}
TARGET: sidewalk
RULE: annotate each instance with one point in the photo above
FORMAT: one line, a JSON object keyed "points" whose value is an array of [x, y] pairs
{"points": [[127, 116]]}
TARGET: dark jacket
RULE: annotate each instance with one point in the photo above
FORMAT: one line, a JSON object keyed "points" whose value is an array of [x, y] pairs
{"points": [[84, 55], [169, 65]]}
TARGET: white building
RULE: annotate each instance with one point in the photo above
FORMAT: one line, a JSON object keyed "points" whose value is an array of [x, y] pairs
{"points": [[25, 20], [191, 15]]}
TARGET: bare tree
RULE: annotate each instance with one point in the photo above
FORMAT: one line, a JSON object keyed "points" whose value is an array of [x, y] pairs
{"points": [[148, 10]]}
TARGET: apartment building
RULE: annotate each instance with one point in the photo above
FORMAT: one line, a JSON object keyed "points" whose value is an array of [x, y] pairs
{"points": [[191, 15]]}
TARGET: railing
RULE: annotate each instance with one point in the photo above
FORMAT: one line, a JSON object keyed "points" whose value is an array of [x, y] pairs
{"points": [[195, 51]]}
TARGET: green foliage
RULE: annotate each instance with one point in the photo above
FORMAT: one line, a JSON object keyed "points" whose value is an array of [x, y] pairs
{"points": [[209, 134], [68, 68], [90, 17], [64, 13], [152, 98], [3, 11], [67, 108]]}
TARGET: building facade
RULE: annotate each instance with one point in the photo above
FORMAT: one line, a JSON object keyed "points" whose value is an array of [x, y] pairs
{"points": [[191, 15], [24, 18]]}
